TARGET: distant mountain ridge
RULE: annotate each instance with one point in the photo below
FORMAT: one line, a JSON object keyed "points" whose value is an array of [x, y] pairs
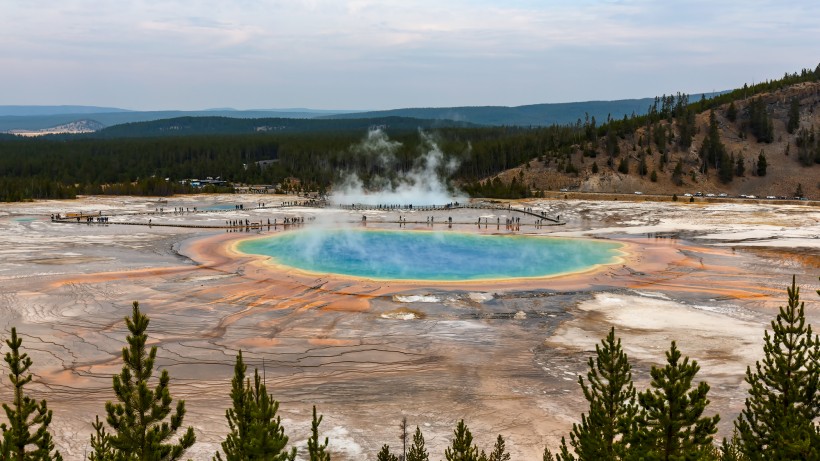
{"points": [[212, 125], [33, 118], [119, 116], [27, 111], [528, 115], [31, 111]]}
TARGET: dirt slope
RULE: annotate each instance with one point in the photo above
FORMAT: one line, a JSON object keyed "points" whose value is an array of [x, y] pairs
{"points": [[783, 174]]}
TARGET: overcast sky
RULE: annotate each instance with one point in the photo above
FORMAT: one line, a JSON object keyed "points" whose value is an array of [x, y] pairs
{"points": [[363, 54]]}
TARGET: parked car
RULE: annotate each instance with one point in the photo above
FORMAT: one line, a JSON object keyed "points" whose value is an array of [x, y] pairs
{"points": [[687, 194], [710, 195], [637, 192], [698, 194], [722, 194]]}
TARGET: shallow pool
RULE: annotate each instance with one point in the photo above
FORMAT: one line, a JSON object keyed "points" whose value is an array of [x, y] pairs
{"points": [[219, 207], [437, 256]]}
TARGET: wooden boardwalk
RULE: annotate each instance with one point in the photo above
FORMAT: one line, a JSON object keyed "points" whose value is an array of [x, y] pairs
{"points": [[95, 219]]}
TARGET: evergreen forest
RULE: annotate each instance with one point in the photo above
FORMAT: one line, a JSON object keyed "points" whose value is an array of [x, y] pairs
{"points": [[155, 158]]}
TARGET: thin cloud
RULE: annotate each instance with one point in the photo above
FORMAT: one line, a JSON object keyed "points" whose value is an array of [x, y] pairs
{"points": [[204, 33], [382, 54]]}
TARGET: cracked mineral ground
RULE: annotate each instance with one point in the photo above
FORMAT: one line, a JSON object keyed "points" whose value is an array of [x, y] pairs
{"points": [[503, 355]]}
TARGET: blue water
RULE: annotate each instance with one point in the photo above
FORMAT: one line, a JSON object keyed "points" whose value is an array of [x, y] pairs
{"points": [[218, 207], [440, 256]]}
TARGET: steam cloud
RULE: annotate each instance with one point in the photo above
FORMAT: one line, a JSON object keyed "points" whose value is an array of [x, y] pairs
{"points": [[424, 184]]}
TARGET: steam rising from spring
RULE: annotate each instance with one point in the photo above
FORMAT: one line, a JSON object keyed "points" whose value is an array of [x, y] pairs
{"points": [[424, 184]]}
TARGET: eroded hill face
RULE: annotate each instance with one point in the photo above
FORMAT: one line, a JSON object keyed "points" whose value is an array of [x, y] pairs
{"points": [[783, 173]]}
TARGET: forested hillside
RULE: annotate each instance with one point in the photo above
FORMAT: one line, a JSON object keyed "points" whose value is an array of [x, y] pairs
{"points": [[188, 126], [759, 139], [39, 117], [529, 115]]}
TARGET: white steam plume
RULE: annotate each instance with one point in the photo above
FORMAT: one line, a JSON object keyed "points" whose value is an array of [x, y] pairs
{"points": [[420, 186]]}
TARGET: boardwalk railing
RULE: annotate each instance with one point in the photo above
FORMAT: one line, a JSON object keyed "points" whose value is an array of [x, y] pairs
{"points": [[99, 218]]}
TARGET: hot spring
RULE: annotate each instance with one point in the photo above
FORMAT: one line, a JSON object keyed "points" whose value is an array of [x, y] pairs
{"points": [[433, 256]]}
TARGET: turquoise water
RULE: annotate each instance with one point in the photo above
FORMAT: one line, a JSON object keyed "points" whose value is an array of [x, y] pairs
{"points": [[439, 256], [218, 207]]}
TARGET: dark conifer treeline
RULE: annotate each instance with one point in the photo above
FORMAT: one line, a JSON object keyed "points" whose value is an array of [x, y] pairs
{"points": [[53, 168], [63, 166], [214, 126], [808, 146]]}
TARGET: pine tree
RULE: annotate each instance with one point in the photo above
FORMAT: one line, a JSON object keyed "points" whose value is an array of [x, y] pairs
{"points": [[612, 147], [687, 129], [794, 116], [385, 455], [761, 164], [670, 425], [677, 173], [808, 148], [643, 168], [610, 394], [760, 122], [730, 449], [712, 150], [499, 452], [659, 136], [779, 420], [256, 431], [726, 171], [417, 451], [731, 112], [140, 431], [315, 449], [403, 437], [26, 437], [740, 167], [100, 447], [623, 165], [462, 448]]}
